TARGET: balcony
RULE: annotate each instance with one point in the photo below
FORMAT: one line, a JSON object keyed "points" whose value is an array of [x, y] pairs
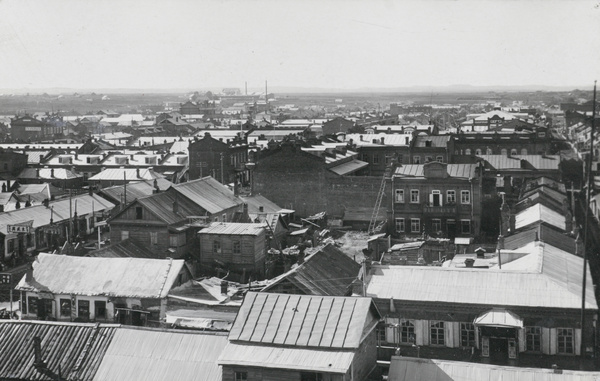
{"points": [[439, 210]]}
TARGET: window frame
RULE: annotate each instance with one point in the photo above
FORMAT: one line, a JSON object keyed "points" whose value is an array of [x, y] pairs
{"points": [[437, 329], [216, 247], [98, 308], [240, 376], [63, 310], [406, 332], [533, 334], [237, 247], [453, 193], [400, 221], [412, 225], [399, 196], [418, 196], [462, 225], [434, 222], [81, 307], [561, 341], [465, 200], [467, 334]]}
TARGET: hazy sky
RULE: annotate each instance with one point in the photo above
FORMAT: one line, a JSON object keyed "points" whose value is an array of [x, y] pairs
{"points": [[322, 43]]}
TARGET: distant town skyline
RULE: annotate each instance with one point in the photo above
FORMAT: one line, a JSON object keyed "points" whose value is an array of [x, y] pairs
{"points": [[329, 44]]}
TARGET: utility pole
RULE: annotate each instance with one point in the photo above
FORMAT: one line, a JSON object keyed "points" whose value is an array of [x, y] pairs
{"points": [[222, 168], [590, 183]]}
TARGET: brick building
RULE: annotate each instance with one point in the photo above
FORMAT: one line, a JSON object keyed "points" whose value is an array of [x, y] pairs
{"points": [[223, 160]]}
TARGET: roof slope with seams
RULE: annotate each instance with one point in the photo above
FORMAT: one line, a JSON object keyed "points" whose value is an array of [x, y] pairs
{"points": [[209, 194], [301, 320], [122, 277]]}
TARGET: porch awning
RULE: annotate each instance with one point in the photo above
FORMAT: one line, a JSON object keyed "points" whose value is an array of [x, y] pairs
{"points": [[499, 318]]}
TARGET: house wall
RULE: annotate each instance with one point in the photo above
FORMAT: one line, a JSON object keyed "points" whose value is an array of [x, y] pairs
{"points": [[251, 258], [365, 358], [266, 374], [422, 314]]}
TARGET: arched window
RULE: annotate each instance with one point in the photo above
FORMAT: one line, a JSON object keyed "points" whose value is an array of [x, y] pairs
{"points": [[523, 151], [489, 151], [468, 151], [513, 152], [503, 151], [477, 151]]}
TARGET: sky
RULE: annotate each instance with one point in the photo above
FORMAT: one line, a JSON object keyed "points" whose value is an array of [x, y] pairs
{"points": [[336, 44]]}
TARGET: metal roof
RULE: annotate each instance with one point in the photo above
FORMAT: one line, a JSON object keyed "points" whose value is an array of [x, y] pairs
{"points": [[436, 140], [254, 203], [75, 348], [128, 174], [162, 205], [121, 277], [454, 170], [211, 195], [328, 271], [556, 285], [539, 162], [329, 361], [148, 355], [348, 167], [128, 248], [413, 369], [301, 320], [136, 189], [544, 233], [540, 213], [48, 173], [233, 228]]}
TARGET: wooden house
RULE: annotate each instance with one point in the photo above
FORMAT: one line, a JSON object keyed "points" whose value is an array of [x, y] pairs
{"points": [[121, 290], [238, 247], [301, 337]]}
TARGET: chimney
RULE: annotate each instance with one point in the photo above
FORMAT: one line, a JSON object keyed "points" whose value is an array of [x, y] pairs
{"points": [[469, 262], [137, 173], [37, 173], [261, 209], [37, 353], [480, 252], [245, 209], [175, 206], [382, 140], [406, 140], [223, 287], [52, 172]]}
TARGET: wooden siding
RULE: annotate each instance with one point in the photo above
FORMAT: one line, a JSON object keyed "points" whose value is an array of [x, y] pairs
{"points": [[265, 374]]}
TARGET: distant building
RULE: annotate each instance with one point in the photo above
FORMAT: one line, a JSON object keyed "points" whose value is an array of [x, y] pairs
{"points": [[27, 128], [337, 125], [223, 160]]}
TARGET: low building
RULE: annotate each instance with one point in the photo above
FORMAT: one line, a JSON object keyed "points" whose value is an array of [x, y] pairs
{"points": [[238, 247], [301, 337], [121, 290]]}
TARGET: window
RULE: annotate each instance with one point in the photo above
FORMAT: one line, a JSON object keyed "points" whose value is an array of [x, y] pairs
{"points": [[465, 197], [237, 247], [436, 333], [523, 151], [467, 335], [415, 225], [65, 307], [435, 199], [503, 152], [400, 228], [513, 152], [381, 335], [414, 196], [451, 196], [489, 151], [407, 332], [100, 309], [32, 304], [439, 158], [533, 339], [224, 217], [124, 235], [565, 340], [416, 159], [241, 376], [465, 226], [478, 151], [468, 151], [399, 195], [217, 247], [139, 213], [311, 376], [83, 309], [375, 158], [428, 159], [436, 225], [153, 238]]}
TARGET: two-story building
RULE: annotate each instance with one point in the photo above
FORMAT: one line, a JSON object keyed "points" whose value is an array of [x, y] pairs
{"points": [[223, 160], [437, 199]]}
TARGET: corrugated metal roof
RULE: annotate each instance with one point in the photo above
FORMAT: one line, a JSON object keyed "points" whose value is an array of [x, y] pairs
{"points": [[539, 162], [545, 233], [348, 167], [128, 248], [48, 173], [147, 355], [328, 271], [256, 201], [454, 170], [62, 345], [211, 195], [301, 320], [123, 277], [539, 213], [542, 162], [558, 285], [233, 228], [412, 369], [287, 358]]}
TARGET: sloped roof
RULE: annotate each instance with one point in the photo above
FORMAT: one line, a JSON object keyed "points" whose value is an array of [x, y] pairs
{"points": [[556, 283], [437, 141], [128, 248], [539, 213], [301, 320], [136, 189], [348, 167], [545, 233], [128, 174], [233, 228], [418, 369], [287, 358], [539, 162], [454, 170], [207, 192], [62, 344], [48, 174], [256, 201], [328, 271], [152, 355], [122, 277]]}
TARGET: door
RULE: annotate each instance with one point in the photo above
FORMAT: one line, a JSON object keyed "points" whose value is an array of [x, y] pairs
{"points": [[498, 350]]}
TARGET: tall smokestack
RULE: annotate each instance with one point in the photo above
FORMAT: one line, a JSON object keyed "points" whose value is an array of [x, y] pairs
{"points": [[246, 83]]}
